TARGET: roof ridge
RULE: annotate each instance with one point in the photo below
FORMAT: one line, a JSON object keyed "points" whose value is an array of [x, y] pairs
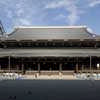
{"points": [[50, 27]]}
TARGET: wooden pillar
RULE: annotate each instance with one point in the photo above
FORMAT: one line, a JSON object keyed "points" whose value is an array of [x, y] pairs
{"points": [[60, 67], [98, 65], [82, 68], [39, 67], [22, 67], [23, 72], [95, 45], [9, 68], [0, 67], [17, 68], [77, 68]]}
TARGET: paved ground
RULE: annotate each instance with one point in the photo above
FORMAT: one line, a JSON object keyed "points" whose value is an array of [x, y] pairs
{"points": [[50, 90]]}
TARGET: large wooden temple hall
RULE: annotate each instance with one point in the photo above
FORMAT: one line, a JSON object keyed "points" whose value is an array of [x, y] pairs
{"points": [[49, 49]]}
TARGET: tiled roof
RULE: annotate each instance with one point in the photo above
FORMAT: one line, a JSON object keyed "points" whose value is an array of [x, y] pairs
{"points": [[50, 32]]}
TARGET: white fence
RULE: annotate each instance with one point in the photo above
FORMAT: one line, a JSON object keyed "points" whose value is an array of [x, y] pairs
{"points": [[84, 76], [10, 76]]}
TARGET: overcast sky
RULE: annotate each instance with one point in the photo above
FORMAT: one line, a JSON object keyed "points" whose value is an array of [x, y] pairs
{"points": [[50, 12]]}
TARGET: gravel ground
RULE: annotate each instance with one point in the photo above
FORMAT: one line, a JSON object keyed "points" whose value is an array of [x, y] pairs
{"points": [[50, 90]]}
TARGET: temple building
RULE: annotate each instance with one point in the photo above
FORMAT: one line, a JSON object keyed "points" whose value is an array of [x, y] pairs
{"points": [[65, 49]]}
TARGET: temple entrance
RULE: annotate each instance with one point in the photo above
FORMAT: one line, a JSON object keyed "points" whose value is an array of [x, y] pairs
{"points": [[50, 66], [68, 66], [23, 64]]}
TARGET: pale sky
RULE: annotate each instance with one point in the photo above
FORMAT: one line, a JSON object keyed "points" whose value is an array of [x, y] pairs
{"points": [[50, 12]]}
